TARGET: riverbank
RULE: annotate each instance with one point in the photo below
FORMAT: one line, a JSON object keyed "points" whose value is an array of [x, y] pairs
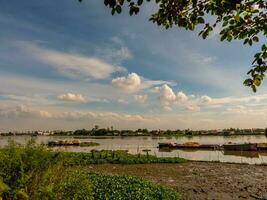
{"points": [[34, 172], [199, 180]]}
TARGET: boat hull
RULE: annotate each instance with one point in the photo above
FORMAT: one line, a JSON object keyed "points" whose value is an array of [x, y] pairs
{"points": [[240, 147]]}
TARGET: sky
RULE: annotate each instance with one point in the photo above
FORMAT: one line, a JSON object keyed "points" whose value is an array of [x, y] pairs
{"points": [[67, 65]]}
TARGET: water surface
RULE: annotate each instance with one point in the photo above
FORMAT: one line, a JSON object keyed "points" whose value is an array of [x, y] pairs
{"points": [[136, 144]]}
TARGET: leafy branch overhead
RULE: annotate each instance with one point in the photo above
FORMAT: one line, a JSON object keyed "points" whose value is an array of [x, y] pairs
{"points": [[244, 20]]}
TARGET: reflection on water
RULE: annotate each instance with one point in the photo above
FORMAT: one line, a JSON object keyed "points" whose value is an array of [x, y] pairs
{"points": [[138, 144], [247, 154]]}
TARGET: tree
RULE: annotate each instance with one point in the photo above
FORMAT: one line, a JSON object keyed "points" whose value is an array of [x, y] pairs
{"points": [[244, 20]]}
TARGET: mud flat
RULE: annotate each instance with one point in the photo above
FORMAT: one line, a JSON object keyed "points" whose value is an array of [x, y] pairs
{"points": [[201, 180]]}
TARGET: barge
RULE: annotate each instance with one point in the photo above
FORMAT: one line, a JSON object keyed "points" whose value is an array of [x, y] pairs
{"points": [[227, 147], [241, 147], [71, 143], [189, 145]]}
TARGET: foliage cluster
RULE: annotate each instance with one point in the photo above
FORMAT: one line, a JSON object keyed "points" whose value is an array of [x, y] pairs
{"points": [[128, 187], [244, 20], [34, 172]]}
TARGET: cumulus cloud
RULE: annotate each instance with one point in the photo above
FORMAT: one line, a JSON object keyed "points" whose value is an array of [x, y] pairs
{"points": [[168, 98], [133, 82], [141, 98], [205, 99], [71, 97], [166, 95], [72, 64], [130, 83], [181, 97]]}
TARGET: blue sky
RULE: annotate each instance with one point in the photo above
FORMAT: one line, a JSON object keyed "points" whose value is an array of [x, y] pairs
{"points": [[68, 65]]}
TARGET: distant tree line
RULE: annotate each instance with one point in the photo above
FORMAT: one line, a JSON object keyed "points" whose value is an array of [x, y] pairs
{"points": [[110, 131]]}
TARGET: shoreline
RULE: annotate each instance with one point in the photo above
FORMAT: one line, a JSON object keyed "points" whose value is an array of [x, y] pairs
{"points": [[118, 136]]}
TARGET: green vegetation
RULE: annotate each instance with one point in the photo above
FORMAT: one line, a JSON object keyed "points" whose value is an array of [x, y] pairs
{"points": [[114, 157], [178, 132], [34, 172], [236, 19], [128, 187]]}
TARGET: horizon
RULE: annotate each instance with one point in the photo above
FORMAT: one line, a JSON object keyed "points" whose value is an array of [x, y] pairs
{"points": [[71, 65]]}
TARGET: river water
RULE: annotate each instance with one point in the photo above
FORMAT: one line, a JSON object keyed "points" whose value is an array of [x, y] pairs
{"points": [[136, 144]]}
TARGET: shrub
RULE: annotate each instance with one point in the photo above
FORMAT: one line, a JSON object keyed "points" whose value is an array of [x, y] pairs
{"points": [[114, 187], [62, 184], [33, 172]]}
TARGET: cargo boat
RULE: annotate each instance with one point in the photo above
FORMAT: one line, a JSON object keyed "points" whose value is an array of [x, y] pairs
{"points": [[189, 145], [241, 147], [227, 147]]}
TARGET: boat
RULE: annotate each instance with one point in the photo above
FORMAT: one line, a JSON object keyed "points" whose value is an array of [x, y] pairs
{"points": [[262, 146], [226, 147], [64, 143], [189, 145], [240, 147]]}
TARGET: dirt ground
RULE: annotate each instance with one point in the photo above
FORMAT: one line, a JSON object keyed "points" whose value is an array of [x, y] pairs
{"points": [[200, 180]]}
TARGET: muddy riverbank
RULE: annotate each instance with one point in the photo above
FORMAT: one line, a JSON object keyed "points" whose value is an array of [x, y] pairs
{"points": [[200, 180]]}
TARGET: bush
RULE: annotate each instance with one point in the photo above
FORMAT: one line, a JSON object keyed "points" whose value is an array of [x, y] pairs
{"points": [[21, 165], [33, 172], [62, 184], [115, 187]]}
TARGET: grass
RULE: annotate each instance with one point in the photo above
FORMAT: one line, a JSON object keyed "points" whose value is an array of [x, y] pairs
{"points": [[113, 157], [35, 172]]}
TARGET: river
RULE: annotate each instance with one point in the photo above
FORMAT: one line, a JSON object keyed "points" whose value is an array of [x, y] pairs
{"points": [[136, 144]]}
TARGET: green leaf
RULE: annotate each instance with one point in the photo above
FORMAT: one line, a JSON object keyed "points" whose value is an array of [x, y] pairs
{"points": [[257, 82], [139, 2], [255, 39], [250, 42], [225, 23], [113, 11], [118, 9], [248, 82], [106, 2], [121, 2], [200, 20]]}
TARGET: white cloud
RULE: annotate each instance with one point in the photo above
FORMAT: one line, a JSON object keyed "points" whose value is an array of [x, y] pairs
{"points": [[166, 95], [22, 111], [71, 97], [238, 109], [114, 52], [72, 65], [141, 98], [205, 99], [115, 55], [181, 97], [133, 82], [191, 102], [130, 83]]}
